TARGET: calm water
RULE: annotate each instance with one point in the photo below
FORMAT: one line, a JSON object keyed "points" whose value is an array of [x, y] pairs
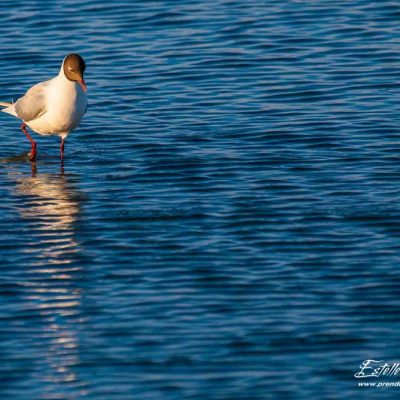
{"points": [[227, 225]]}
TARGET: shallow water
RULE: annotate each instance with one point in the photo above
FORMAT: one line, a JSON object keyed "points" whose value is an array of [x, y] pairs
{"points": [[226, 225]]}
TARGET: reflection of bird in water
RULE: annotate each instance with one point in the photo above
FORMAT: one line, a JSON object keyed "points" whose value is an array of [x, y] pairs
{"points": [[51, 200], [50, 204]]}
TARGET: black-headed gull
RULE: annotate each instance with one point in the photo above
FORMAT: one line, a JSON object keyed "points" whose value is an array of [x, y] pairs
{"points": [[54, 107]]}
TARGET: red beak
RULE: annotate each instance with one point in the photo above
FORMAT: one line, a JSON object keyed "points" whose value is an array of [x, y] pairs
{"points": [[83, 85]]}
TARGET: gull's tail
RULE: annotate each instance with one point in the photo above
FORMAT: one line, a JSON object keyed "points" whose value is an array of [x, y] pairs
{"points": [[9, 108]]}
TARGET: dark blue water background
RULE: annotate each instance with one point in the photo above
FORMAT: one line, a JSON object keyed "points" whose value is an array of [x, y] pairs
{"points": [[227, 225]]}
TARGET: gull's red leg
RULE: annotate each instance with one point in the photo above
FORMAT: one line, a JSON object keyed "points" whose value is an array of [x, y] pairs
{"points": [[62, 149], [33, 153]]}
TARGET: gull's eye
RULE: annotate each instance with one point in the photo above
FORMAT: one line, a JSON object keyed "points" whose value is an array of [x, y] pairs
{"points": [[70, 69]]}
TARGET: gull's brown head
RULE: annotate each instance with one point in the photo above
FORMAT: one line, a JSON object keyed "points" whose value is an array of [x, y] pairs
{"points": [[74, 68]]}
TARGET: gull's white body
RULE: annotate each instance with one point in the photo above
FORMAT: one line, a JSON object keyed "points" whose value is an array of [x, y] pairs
{"points": [[57, 106]]}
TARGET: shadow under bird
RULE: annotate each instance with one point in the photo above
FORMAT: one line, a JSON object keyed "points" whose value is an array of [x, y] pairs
{"points": [[54, 107]]}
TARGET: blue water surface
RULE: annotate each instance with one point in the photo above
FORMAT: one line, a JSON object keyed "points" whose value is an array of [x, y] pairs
{"points": [[227, 222]]}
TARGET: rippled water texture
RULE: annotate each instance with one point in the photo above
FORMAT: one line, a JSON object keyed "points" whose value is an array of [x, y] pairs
{"points": [[227, 222]]}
